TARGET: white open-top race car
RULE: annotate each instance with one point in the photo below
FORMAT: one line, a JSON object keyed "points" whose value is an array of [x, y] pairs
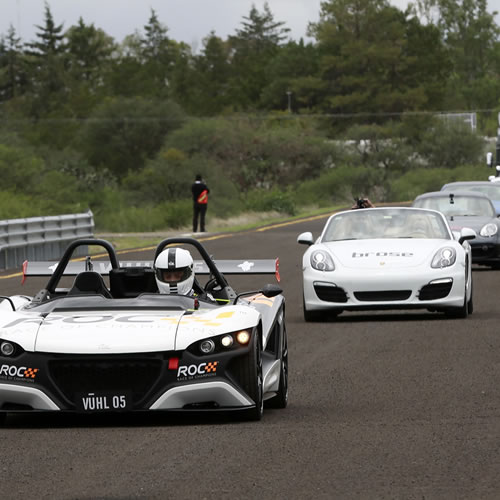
{"points": [[117, 344], [387, 258]]}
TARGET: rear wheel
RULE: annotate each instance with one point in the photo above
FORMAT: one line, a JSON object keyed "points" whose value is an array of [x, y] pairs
{"points": [[3, 417], [252, 378], [281, 398]]}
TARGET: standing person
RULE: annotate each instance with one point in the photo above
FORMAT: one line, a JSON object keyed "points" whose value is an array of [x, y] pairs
{"points": [[200, 201]]}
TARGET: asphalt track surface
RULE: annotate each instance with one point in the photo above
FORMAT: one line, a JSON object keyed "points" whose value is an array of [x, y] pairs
{"points": [[382, 405]]}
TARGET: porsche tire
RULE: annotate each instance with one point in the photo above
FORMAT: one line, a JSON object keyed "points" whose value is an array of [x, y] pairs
{"points": [[310, 316], [470, 303], [459, 312], [281, 398]]}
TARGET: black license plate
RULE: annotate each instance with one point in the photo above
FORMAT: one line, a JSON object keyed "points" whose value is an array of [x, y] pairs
{"points": [[103, 401]]}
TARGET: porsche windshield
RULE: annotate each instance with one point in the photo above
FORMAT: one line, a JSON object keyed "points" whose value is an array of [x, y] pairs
{"points": [[385, 223], [458, 205], [490, 189]]}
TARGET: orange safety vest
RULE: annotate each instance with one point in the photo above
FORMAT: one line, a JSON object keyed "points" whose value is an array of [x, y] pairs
{"points": [[203, 198]]}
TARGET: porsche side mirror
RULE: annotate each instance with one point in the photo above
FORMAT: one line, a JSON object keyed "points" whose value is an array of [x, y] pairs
{"points": [[466, 234], [305, 238]]}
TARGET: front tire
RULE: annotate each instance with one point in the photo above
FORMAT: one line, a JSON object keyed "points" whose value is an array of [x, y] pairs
{"points": [[281, 398], [252, 379], [310, 316], [460, 312]]}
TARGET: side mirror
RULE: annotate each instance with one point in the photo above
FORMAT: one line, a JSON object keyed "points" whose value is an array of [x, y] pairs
{"points": [[305, 238], [271, 290], [466, 234], [267, 290], [489, 159]]}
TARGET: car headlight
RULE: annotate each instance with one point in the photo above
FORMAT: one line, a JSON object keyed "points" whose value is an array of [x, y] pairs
{"points": [[322, 261], [444, 257], [10, 349], [221, 343], [489, 230]]}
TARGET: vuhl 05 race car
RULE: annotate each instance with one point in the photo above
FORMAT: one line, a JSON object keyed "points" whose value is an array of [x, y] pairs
{"points": [[117, 344]]}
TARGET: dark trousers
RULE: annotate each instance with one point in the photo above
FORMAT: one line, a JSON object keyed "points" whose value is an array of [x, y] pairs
{"points": [[199, 211]]}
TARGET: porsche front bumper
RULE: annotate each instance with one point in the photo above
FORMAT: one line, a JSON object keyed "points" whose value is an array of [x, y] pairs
{"points": [[384, 289]]}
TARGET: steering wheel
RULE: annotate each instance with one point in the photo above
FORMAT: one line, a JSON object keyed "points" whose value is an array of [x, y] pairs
{"points": [[212, 284]]}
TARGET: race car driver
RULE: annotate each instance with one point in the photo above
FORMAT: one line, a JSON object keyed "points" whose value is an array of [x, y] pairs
{"points": [[174, 271]]}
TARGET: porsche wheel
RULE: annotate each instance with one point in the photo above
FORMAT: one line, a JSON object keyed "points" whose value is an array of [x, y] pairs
{"points": [[311, 315], [460, 312], [281, 398], [470, 303], [252, 379]]}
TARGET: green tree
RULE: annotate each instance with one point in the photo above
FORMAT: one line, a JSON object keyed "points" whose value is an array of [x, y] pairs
{"points": [[13, 77], [471, 35], [158, 55], [371, 59], [47, 62], [289, 71], [90, 51], [212, 69], [122, 133], [253, 47]]}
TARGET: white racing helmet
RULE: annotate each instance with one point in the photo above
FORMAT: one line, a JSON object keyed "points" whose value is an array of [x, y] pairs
{"points": [[174, 271]]}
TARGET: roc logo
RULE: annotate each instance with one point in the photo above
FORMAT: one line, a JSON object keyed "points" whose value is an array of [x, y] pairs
{"points": [[197, 371], [11, 371]]}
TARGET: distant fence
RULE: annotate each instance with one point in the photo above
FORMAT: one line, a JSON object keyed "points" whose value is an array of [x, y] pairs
{"points": [[41, 238]]}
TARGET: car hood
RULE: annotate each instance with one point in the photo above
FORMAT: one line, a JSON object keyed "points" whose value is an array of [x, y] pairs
{"points": [[107, 332], [474, 222], [389, 253], [134, 331]]}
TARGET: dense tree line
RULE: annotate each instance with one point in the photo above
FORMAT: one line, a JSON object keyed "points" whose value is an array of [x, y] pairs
{"points": [[92, 114]]}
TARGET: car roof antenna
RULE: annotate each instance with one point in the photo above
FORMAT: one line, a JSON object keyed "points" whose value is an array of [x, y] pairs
{"points": [[452, 198]]}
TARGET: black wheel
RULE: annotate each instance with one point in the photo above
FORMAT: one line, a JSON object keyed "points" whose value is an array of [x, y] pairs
{"points": [[252, 379], [311, 315], [281, 398], [470, 304], [460, 312], [3, 417]]}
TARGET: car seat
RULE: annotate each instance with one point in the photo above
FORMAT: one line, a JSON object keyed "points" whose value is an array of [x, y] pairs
{"points": [[89, 282]]}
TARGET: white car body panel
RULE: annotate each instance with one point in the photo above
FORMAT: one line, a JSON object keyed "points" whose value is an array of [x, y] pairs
{"points": [[386, 265]]}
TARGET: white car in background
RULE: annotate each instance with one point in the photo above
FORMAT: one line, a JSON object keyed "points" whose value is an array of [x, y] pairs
{"points": [[387, 258]]}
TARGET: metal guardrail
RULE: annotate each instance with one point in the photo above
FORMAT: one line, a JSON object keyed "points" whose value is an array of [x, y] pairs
{"points": [[41, 238]]}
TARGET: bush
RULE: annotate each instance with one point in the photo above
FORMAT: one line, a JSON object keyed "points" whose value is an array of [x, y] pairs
{"points": [[132, 219], [423, 180], [267, 201], [340, 185]]}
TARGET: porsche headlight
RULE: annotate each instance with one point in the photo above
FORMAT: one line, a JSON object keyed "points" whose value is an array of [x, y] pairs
{"points": [[489, 230], [445, 257], [322, 261]]}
